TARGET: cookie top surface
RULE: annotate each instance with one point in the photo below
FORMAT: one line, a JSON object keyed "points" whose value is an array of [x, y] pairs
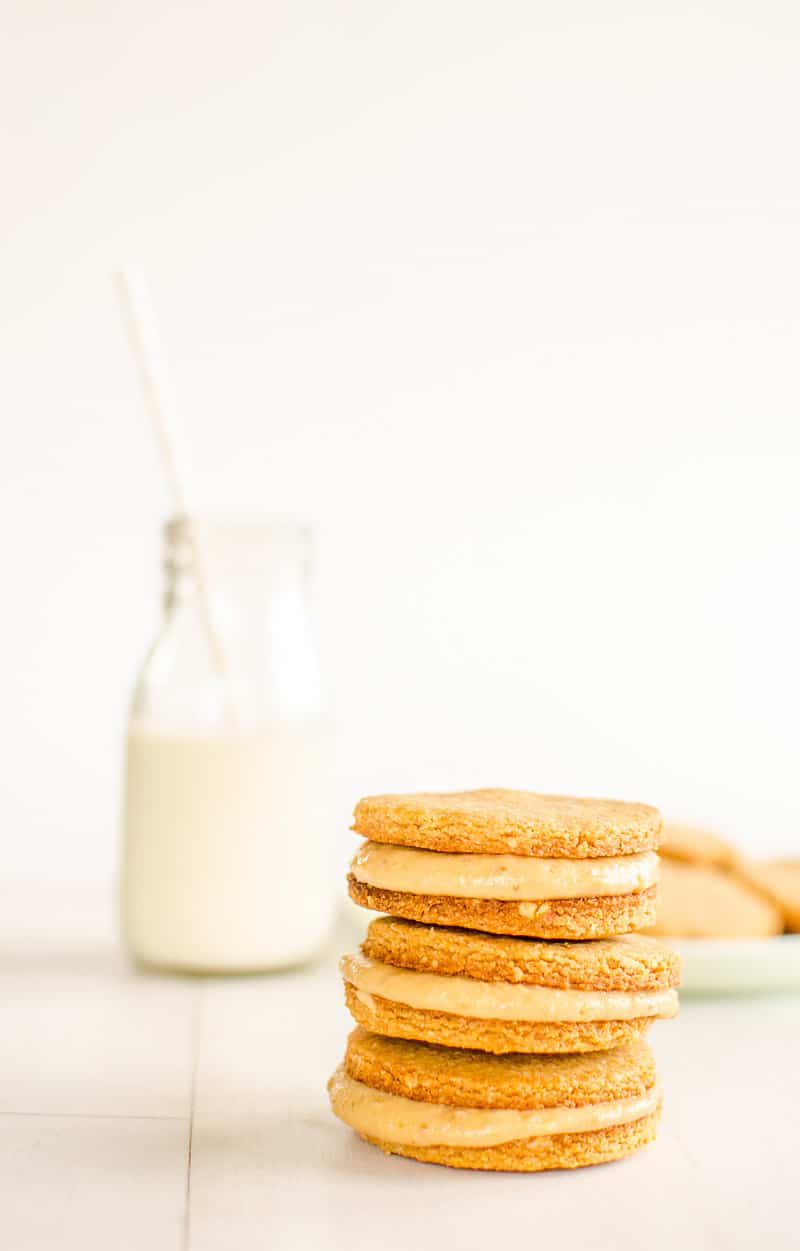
{"points": [[696, 845], [701, 901], [517, 822], [473, 1079], [630, 963]]}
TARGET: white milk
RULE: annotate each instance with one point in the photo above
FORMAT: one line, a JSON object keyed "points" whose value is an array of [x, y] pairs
{"points": [[227, 841]]}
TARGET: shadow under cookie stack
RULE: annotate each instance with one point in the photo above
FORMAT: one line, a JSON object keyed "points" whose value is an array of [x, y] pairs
{"points": [[501, 1005]]}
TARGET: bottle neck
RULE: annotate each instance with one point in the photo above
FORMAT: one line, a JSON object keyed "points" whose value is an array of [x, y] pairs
{"points": [[244, 565], [181, 590], [244, 639]]}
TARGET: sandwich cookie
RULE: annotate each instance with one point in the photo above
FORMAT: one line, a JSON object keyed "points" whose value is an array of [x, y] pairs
{"points": [[509, 862], [518, 1113], [459, 988]]}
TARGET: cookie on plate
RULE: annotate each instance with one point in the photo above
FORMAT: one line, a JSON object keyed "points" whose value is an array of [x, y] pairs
{"points": [[779, 880], [509, 862], [701, 901], [494, 993], [696, 845], [518, 1113]]}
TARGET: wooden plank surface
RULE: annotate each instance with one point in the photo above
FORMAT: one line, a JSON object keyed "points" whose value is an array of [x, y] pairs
{"points": [[191, 1115]]}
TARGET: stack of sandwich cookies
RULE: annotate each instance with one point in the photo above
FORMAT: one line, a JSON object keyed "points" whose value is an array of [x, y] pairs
{"points": [[460, 988], [509, 862], [501, 1008]]}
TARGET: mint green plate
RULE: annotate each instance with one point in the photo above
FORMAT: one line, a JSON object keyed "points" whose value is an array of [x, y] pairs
{"points": [[728, 965]]}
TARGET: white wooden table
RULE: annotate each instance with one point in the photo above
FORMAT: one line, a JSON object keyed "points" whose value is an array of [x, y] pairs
{"points": [[161, 1114]]}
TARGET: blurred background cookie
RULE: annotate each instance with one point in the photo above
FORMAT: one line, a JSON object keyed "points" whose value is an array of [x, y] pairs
{"points": [[696, 845], [779, 881], [704, 901]]}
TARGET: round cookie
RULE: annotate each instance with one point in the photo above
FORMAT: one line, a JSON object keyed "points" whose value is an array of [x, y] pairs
{"points": [[581, 918], [470, 1079], [701, 901], [631, 962], [779, 880], [461, 989], [696, 846], [503, 821], [466, 1109]]}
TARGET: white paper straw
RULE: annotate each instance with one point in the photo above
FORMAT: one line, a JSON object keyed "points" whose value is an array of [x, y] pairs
{"points": [[160, 401]]}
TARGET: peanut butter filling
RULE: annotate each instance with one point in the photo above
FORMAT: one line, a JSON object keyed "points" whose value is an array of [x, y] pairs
{"points": [[410, 1122], [470, 876], [501, 1001]]}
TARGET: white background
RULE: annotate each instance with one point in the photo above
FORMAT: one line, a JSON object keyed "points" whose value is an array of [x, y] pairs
{"points": [[504, 296]]}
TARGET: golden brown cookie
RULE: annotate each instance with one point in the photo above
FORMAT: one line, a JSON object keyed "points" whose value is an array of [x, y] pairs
{"points": [[600, 917], [518, 822], [696, 846], [447, 1029], [701, 901], [535, 1155], [479, 991], [632, 962], [779, 880], [470, 1079], [522, 1113]]}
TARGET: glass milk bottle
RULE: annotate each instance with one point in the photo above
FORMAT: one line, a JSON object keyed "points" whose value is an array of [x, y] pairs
{"points": [[227, 822]]}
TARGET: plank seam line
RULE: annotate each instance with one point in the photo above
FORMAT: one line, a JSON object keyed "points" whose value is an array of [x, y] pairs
{"points": [[196, 1023]]}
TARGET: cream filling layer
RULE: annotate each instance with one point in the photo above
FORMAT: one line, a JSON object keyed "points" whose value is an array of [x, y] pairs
{"points": [[468, 876], [500, 1001], [412, 1123]]}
